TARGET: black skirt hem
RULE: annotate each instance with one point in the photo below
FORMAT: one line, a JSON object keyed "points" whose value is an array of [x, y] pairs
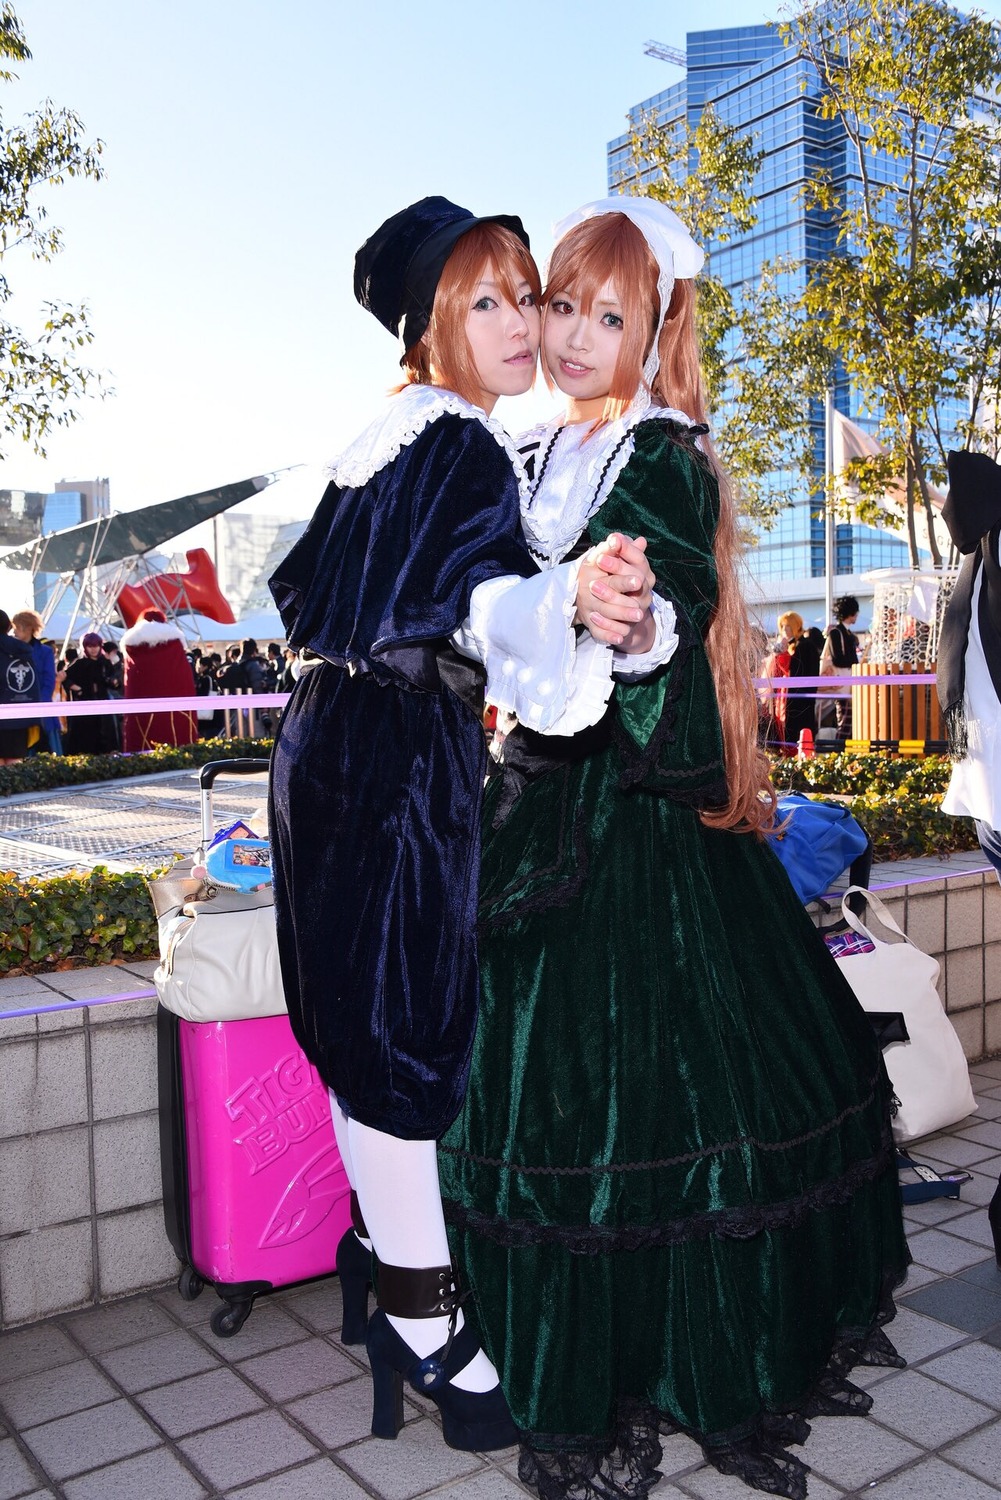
{"points": [[624, 1465], [732, 1223]]}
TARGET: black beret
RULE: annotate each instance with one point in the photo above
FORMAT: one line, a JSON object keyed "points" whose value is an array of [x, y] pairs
{"points": [[398, 268]]}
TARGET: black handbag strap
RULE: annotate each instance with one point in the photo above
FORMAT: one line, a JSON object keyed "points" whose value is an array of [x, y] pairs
{"points": [[859, 872]]}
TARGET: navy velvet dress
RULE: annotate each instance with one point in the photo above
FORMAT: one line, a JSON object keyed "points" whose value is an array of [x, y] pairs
{"points": [[378, 772]]}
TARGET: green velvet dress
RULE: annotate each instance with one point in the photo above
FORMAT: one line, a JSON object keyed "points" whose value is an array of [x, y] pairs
{"points": [[672, 1186]]}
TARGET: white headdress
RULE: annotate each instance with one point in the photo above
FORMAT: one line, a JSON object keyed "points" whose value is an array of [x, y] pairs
{"points": [[676, 253]]}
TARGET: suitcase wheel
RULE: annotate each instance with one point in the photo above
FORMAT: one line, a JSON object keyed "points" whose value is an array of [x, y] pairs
{"points": [[189, 1284], [230, 1318]]}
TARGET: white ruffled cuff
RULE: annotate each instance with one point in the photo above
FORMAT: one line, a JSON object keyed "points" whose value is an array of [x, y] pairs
{"points": [[521, 629], [642, 663]]}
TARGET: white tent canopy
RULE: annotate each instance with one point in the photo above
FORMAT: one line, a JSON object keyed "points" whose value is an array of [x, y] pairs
{"points": [[262, 626]]}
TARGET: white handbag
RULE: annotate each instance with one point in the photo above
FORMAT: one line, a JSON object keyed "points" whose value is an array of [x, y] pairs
{"points": [[218, 950], [929, 1073]]}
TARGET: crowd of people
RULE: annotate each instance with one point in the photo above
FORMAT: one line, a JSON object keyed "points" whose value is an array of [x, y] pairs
{"points": [[806, 652], [241, 669], [149, 660]]}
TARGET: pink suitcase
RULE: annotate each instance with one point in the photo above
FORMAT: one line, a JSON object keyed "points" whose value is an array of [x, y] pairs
{"points": [[255, 1196]]}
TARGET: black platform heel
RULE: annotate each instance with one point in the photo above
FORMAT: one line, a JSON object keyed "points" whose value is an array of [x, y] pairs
{"points": [[354, 1267], [472, 1421]]}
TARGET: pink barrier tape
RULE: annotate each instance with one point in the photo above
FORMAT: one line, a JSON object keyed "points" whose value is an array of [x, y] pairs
{"points": [[48, 1010], [837, 687], [919, 679], [807, 692], [892, 885], [218, 702]]}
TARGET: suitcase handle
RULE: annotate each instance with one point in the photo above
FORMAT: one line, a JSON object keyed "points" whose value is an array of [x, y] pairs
{"points": [[206, 777], [213, 768]]}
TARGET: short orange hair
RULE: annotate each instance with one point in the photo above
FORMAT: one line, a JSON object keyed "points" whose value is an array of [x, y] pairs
{"points": [[27, 619], [443, 356]]}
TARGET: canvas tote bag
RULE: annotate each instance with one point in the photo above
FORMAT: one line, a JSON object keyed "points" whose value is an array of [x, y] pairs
{"points": [[929, 1073]]}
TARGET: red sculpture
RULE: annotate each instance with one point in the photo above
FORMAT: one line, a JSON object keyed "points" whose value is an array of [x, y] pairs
{"points": [[157, 667], [197, 589]]}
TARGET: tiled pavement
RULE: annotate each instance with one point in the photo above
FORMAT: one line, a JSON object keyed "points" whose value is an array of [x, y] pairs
{"points": [[138, 1400]]}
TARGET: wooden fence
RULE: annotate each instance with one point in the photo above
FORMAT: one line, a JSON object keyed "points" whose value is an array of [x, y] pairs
{"points": [[894, 711]]}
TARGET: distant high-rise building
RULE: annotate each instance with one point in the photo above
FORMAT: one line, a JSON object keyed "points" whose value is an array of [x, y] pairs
{"points": [[72, 502], [754, 82], [95, 497], [249, 548], [283, 539], [21, 513]]}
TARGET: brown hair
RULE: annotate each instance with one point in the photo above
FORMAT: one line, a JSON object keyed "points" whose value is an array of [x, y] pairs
{"points": [[609, 247], [27, 619], [603, 249], [443, 356]]}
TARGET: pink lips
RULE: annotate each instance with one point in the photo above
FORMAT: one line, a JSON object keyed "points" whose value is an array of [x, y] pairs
{"points": [[574, 371], [520, 359]]}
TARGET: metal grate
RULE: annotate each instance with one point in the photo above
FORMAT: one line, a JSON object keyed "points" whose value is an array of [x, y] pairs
{"points": [[139, 826], [19, 859]]}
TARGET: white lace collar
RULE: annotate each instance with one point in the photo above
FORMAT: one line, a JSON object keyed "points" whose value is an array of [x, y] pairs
{"points": [[403, 419], [550, 534]]}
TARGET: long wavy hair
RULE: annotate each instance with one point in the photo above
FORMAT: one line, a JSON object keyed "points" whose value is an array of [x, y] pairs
{"points": [[609, 247], [443, 357]]}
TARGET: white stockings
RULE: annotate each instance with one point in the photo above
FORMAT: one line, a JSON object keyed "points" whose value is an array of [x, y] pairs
{"points": [[397, 1186]]}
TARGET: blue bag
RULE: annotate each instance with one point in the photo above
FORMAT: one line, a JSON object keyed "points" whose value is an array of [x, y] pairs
{"points": [[820, 842]]}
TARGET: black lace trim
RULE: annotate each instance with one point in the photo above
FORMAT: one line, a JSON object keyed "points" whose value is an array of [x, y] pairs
{"points": [[560, 893], [623, 440], [685, 1158], [638, 761], [739, 1222], [526, 756], [624, 1466], [624, 1469]]}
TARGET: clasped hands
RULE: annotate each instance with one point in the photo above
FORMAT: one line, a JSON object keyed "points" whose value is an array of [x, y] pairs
{"points": [[615, 594]]}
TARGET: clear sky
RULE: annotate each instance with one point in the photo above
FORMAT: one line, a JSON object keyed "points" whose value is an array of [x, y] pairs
{"points": [[250, 148]]}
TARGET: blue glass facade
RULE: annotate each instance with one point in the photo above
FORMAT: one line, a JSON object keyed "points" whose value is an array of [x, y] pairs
{"points": [[755, 83], [63, 508]]}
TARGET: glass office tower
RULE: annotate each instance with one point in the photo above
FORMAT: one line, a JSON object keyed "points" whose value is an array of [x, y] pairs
{"points": [[754, 82], [72, 502]]}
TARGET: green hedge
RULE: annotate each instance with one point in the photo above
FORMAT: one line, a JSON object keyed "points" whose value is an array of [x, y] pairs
{"points": [[95, 918], [64, 921], [924, 776], [42, 773], [897, 800]]}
